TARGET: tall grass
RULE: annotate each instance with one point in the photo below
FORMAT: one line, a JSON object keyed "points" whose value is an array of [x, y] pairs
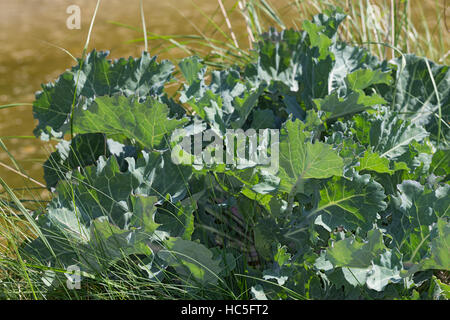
{"points": [[384, 27]]}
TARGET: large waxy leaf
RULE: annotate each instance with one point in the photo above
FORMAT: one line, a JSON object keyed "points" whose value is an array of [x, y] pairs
{"points": [[298, 63], [337, 107], [146, 122], [388, 135], [438, 290], [439, 258], [391, 136], [224, 102], [349, 149], [416, 210], [69, 224], [300, 159], [144, 210], [263, 119], [349, 60], [110, 244], [98, 214], [350, 203], [96, 76], [330, 20], [354, 254], [228, 85], [82, 151], [371, 161], [177, 219], [53, 105], [355, 99], [422, 91], [318, 39], [440, 164], [277, 59], [225, 84], [366, 263], [194, 72], [386, 268], [363, 78], [317, 63], [103, 190], [158, 176], [266, 233], [192, 261], [96, 245], [245, 105], [61, 252]]}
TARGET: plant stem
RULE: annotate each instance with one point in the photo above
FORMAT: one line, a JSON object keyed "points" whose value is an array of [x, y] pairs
{"points": [[21, 174], [243, 8], [224, 12], [144, 28]]}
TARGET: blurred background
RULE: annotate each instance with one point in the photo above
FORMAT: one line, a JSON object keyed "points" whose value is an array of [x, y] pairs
{"points": [[33, 34]]}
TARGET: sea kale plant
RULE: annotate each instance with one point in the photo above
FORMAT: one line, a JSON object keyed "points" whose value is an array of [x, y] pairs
{"points": [[357, 208]]}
